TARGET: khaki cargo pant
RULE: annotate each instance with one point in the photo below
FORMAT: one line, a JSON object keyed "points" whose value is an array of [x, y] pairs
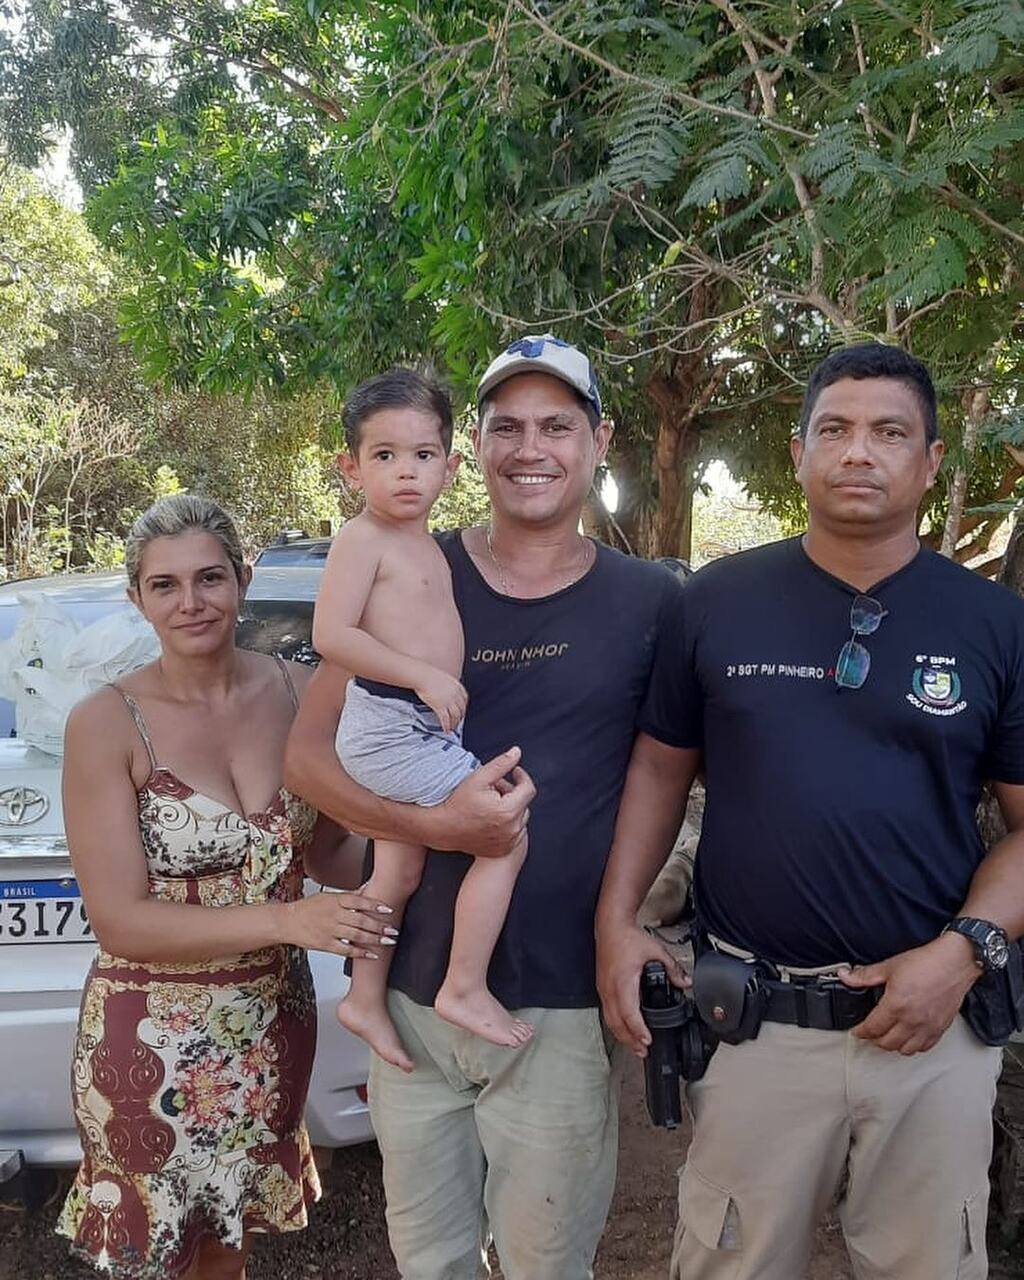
{"points": [[781, 1121], [519, 1143]]}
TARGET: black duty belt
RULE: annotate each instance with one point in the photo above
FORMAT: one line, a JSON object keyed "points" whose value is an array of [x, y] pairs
{"points": [[735, 992], [822, 1003]]}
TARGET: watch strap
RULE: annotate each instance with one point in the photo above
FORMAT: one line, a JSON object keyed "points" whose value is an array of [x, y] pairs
{"points": [[977, 932]]}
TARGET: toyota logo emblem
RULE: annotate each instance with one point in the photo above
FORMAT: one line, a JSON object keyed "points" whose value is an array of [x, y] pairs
{"points": [[20, 806]]}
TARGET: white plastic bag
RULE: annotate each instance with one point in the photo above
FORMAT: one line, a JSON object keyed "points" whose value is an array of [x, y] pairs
{"points": [[43, 630], [110, 646], [50, 663], [42, 703]]}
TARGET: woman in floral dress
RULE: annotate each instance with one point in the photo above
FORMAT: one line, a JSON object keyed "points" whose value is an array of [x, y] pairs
{"points": [[198, 1022]]}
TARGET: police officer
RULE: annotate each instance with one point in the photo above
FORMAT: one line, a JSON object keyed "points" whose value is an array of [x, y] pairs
{"points": [[849, 692]]}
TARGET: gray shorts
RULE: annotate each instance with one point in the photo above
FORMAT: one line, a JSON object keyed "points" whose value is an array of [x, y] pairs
{"points": [[398, 750]]}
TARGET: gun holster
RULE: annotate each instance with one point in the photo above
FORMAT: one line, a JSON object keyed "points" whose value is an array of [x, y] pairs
{"points": [[681, 1046], [994, 1006], [730, 995]]}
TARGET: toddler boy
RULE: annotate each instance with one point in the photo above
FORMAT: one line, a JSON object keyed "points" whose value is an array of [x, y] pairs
{"points": [[386, 613]]}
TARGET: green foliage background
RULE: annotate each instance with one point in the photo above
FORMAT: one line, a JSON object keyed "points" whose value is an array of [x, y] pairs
{"points": [[65, 374], [709, 194]]}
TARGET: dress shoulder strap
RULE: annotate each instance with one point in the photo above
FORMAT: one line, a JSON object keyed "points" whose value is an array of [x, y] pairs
{"points": [[140, 723], [289, 683]]}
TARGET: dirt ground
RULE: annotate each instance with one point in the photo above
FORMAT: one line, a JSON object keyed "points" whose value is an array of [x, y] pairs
{"points": [[347, 1239]]}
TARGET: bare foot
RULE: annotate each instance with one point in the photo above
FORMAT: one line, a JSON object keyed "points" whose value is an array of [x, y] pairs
{"points": [[375, 1027], [477, 1010]]}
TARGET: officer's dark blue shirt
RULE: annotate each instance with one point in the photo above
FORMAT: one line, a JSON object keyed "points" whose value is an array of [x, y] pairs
{"points": [[564, 678], [840, 823]]}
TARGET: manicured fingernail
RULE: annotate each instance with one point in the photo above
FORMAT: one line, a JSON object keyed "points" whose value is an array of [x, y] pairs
{"points": [[370, 955], [387, 942], [384, 910], [389, 932]]}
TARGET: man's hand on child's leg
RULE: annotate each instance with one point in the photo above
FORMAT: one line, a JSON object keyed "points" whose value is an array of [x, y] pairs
{"points": [[487, 813]]}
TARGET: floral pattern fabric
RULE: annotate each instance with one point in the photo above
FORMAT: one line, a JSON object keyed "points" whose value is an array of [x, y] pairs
{"points": [[189, 1080]]}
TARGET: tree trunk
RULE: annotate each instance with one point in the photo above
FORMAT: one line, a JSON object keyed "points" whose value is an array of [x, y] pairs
{"points": [[1012, 573], [976, 407], [679, 398], [598, 522], [676, 447], [633, 516], [680, 393]]}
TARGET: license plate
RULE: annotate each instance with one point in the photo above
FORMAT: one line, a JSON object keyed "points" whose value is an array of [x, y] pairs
{"points": [[42, 911]]}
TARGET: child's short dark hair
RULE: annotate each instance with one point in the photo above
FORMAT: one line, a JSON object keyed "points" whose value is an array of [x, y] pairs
{"points": [[396, 389]]}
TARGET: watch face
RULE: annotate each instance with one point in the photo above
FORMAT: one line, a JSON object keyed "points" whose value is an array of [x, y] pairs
{"points": [[997, 950]]}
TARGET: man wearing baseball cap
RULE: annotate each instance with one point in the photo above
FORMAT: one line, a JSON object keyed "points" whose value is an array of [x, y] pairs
{"points": [[560, 634]]}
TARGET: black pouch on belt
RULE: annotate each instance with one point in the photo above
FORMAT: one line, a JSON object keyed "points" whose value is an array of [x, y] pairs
{"points": [[994, 1006], [730, 995]]}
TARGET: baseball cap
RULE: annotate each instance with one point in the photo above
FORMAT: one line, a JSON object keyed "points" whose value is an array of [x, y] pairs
{"points": [[543, 353]]}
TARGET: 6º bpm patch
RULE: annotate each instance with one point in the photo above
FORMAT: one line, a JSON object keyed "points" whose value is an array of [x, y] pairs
{"points": [[936, 687]]}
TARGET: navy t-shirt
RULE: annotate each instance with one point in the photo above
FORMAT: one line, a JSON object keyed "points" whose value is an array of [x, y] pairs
{"points": [[564, 678], [840, 823]]}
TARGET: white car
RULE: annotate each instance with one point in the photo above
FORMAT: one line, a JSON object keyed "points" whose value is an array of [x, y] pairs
{"points": [[46, 944]]}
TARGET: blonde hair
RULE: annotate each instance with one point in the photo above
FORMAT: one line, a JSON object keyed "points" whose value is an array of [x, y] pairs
{"points": [[182, 513]]}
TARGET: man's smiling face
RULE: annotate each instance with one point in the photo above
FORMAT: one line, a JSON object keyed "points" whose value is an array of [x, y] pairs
{"points": [[537, 449]]}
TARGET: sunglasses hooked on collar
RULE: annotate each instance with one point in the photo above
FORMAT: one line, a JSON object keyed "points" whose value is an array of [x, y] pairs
{"points": [[854, 661]]}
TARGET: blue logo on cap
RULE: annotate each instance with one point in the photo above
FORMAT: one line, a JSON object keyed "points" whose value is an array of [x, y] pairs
{"points": [[531, 348]]}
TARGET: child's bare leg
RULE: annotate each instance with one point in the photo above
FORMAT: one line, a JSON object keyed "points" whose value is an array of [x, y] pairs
{"points": [[479, 915], [397, 869]]}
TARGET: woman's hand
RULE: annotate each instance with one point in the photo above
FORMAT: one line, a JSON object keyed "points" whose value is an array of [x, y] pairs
{"points": [[342, 922]]}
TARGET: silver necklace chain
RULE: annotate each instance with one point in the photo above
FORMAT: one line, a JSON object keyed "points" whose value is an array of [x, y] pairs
{"points": [[578, 570]]}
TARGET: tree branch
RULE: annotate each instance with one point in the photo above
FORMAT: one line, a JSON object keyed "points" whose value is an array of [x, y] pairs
{"points": [[260, 63], [669, 90], [959, 199], [766, 90]]}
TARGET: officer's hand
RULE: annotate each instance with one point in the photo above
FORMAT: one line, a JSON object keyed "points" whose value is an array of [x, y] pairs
{"points": [[924, 989], [622, 952]]}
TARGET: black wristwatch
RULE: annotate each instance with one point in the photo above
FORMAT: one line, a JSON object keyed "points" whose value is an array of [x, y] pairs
{"points": [[991, 945]]}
